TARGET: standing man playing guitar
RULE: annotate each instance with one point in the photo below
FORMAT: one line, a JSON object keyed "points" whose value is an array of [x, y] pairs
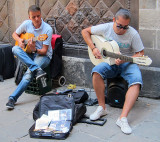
{"points": [[41, 52], [130, 44]]}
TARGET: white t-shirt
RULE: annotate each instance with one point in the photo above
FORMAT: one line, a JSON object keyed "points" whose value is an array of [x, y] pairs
{"points": [[129, 43]]}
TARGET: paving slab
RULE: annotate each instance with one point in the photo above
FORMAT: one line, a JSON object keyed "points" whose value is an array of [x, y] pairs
{"points": [[143, 118]]}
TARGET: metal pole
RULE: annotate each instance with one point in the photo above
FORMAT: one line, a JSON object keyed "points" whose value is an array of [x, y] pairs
{"points": [[37, 2]]}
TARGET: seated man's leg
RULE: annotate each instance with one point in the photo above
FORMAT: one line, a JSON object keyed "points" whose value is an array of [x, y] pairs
{"points": [[23, 57], [99, 73], [22, 86], [133, 76], [27, 60], [42, 61]]}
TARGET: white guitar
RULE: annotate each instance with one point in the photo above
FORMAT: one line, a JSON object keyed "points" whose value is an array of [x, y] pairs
{"points": [[109, 51]]}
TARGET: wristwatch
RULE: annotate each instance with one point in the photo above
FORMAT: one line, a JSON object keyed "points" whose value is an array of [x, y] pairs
{"points": [[34, 51]]}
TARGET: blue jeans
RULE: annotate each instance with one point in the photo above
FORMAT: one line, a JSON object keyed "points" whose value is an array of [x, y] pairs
{"points": [[129, 71], [33, 62]]}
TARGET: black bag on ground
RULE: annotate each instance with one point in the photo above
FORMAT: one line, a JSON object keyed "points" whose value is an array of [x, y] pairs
{"points": [[79, 98], [116, 91], [19, 72], [7, 62], [53, 102], [60, 102]]}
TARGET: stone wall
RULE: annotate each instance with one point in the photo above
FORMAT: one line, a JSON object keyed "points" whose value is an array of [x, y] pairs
{"points": [[12, 14], [72, 16], [77, 70], [149, 28], [4, 21]]}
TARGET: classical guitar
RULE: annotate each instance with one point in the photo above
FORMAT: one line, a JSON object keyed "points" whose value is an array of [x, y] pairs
{"points": [[27, 36], [109, 51]]}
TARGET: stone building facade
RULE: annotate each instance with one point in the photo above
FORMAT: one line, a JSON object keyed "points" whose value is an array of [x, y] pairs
{"points": [[13, 12], [149, 28], [74, 17]]}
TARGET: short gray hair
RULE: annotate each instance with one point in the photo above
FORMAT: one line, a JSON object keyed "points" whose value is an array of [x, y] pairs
{"points": [[125, 13], [33, 8]]}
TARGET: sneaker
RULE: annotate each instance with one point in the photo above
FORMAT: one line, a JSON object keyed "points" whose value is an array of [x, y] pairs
{"points": [[98, 113], [10, 104], [40, 73], [123, 124]]}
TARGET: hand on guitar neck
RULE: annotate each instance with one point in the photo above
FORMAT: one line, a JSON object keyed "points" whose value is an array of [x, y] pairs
{"points": [[119, 61]]}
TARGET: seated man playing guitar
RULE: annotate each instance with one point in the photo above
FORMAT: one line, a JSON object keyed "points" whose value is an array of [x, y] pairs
{"points": [[41, 52], [130, 44]]}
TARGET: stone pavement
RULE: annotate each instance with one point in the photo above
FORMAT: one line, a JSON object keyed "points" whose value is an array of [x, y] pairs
{"points": [[144, 120]]}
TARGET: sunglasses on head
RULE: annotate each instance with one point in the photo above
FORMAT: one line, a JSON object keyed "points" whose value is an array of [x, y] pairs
{"points": [[122, 27]]}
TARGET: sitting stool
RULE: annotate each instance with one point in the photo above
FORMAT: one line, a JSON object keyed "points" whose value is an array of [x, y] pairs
{"points": [[41, 86]]}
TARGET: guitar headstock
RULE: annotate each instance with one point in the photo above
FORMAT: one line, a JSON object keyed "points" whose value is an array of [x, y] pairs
{"points": [[42, 37], [144, 60]]}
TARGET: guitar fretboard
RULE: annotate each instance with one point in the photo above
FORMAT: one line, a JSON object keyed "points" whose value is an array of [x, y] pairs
{"points": [[122, 57]]}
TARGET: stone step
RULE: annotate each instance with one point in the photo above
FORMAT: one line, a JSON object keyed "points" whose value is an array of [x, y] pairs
{"points": [[78, 71], [151, 82]]}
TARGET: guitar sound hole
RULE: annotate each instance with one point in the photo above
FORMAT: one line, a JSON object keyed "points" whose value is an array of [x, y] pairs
{"points": [[104, 53]]}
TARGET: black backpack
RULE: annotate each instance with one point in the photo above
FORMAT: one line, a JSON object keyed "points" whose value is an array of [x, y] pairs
{"points": [[60, 101], [19, 71], [56, 61], [7, 62], [116, 91]]}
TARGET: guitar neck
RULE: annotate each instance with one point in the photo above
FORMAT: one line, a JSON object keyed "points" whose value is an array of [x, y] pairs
{"points": [[122, 57], [34, 39]]}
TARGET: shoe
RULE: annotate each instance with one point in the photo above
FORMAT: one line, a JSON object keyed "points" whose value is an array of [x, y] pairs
{"points": [[123, 124], [98, 113], [40, 73], [10, 104]]}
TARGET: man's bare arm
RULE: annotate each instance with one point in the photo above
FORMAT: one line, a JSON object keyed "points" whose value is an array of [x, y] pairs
{"points": [[43, 51], [17, 38], [32, 46], [86, 33], [139, 54]]}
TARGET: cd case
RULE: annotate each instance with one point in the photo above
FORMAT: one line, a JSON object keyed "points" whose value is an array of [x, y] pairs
{"points": [[60, 115]]}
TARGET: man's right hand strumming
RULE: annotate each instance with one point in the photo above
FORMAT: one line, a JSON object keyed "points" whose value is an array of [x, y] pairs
{"points": [[21, 43], [96, 53]]}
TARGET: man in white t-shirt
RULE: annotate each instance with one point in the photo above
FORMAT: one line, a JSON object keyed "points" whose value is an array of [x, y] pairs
{"points": [[130, 44], [41, 51]]}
